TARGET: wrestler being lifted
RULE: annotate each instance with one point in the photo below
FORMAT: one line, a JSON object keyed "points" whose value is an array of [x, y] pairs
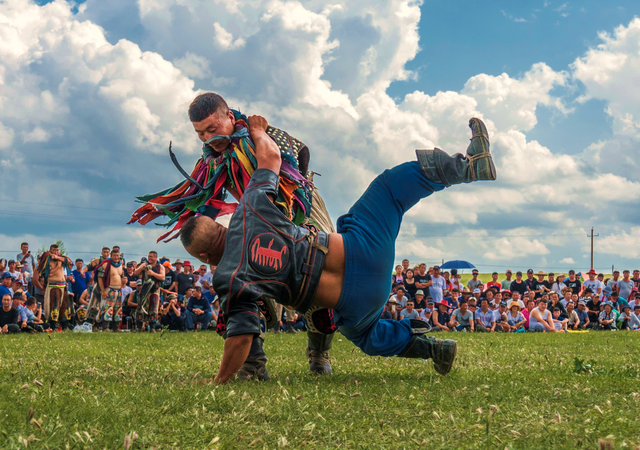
{"points": [[264, 255]]}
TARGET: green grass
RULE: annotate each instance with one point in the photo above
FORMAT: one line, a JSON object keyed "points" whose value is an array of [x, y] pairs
{"points": [[96, 389]]}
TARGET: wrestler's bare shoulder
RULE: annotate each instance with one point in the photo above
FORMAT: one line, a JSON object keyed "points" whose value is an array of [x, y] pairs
{"points": [[330, 285]]}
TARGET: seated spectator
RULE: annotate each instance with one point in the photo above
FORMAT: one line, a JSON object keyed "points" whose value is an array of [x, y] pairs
{"points": [[540, 319], [400, 298], [634, 299], [593, 307], [526, 313], [198, 310], [34, 316], [440, 318], [173, 314], [428, 311], [628, 320], [618, 302], [18, 303], [454, 299], [583, 315], [489, 296], [462, 318], [515, 298], [557, 285], [419, 303], [607, 318], [500, 316], [472, 302], [389, 312], [559, 322], [566, 297], [554, 303], [573, 321], [215, 313], [636, 312], [7, 282], [515, 319], [409, 312], [485, 320], [9, 316]]}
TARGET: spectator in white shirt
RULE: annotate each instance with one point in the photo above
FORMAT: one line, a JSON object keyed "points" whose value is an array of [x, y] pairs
{"points": [[593, 284], [438, 285]]}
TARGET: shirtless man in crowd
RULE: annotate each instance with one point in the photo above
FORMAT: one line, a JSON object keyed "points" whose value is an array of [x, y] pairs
{"points": [[95, 298], [109, 275], [51, 270]]}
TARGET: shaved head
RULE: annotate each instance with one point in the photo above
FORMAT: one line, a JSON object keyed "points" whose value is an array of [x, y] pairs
{"points": [[203, 238]]}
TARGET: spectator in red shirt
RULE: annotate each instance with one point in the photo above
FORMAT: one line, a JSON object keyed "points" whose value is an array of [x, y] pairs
{"points": [[494, 282]]}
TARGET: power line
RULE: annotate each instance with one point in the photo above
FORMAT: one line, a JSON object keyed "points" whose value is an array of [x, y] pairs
{"points": [[66, 206], [74, 218]]}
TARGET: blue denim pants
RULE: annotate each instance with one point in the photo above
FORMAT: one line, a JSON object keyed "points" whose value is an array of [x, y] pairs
{"points": [[369, 231]]}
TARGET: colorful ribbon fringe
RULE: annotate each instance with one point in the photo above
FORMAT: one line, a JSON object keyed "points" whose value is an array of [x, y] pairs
{"points": [[203, 190]]}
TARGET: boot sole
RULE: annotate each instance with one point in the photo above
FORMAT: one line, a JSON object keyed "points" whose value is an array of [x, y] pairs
{"points": [[450, 365]]}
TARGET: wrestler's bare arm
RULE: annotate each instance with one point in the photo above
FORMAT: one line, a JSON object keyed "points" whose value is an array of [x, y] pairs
{"points": [[236, 350], [267, 151]]}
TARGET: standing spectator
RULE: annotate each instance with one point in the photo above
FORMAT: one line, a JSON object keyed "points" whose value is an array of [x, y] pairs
{"points": [[423, 279], [186, 279], [636, 279], [626, 285], [447, 281], [207, 284], [79, 280], [438, 286], [518, 285], [198, 309], [170, 282], [607, 318], [573, 282], [583, 315], [409, 312], [540, 286], [506, 283], [592, 283], [557, 284], [613, 282], [440, 318], [26, 259], [473, 283], [540, 319], [130, 274], [178, 266], [494, 282], [405, 267], [397, 277], [485, 321], [529, 281], [410, 283], [455, 280], [9, 316]]}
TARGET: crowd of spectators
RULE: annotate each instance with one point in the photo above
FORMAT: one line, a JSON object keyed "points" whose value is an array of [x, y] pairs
{"points": [[537, 302], [544, 301]]}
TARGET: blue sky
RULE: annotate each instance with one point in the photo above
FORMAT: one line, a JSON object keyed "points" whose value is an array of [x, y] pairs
{"points": [[91, 93]]}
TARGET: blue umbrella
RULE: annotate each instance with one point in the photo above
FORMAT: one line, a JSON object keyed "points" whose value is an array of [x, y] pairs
{"points": [[457, 265]]}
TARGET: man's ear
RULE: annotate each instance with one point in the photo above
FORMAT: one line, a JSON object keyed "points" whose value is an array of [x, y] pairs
{"points": [[204, 258], [232, 117]]}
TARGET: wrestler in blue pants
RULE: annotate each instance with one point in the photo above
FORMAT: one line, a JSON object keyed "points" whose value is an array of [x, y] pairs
{"points": [[369, 232]]}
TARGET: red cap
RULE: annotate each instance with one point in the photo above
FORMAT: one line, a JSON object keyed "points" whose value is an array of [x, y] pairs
{"points": [[592, 271]]}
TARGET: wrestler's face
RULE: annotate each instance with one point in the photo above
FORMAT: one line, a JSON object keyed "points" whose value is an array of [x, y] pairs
{"points": [[208, 241], [115, 257], [54, 251], [105, 253], [214, 125], [152, 258]]}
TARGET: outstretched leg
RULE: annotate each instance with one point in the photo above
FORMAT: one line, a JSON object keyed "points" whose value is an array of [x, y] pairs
{"points": [[369, 233]]}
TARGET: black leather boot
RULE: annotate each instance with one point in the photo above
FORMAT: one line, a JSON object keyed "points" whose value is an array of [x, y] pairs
{"points": [[443, 352], [476, 165], [318, 352], [255, 366]]}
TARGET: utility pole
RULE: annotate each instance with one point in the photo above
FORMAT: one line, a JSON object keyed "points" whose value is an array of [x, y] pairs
{"points": [[592, 236]]}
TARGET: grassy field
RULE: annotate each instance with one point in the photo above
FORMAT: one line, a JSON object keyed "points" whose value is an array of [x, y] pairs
{"points": [[506, 391]]}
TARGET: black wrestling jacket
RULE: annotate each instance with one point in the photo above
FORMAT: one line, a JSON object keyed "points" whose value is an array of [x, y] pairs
{"points": [[266, 256]]}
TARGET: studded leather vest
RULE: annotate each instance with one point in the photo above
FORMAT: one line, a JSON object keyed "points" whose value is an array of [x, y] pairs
{"points": [[266, 257]]}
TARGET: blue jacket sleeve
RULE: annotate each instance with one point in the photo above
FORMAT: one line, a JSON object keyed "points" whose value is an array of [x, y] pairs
{"points": [[190, 304]]}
